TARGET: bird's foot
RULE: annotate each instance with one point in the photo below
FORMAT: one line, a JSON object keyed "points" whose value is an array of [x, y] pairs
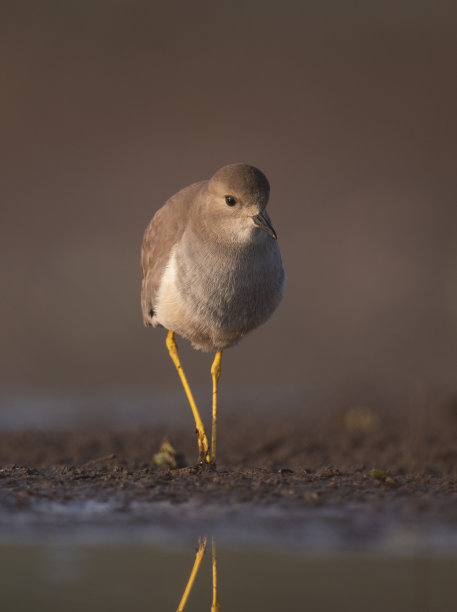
{"points": [[205, 466], [206, 461], [198, 468], [203, 447]]}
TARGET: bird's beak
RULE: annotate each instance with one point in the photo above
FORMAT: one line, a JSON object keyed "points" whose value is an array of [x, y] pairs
{"points": [[262, 220]]}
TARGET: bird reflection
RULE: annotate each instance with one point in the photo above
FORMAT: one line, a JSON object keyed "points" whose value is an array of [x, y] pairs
{"points": [[201, 549]]}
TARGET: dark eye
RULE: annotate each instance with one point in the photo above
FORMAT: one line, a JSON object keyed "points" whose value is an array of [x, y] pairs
{"points": [[230, 200]]}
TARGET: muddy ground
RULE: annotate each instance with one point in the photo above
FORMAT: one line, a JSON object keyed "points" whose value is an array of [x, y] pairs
{"points": [[390, 463]]}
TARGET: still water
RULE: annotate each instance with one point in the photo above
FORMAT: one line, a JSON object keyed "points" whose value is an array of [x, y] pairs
{"points": [[64, 575]]}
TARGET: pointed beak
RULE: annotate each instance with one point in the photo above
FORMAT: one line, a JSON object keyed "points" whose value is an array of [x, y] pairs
{"points": [[262, 220]]}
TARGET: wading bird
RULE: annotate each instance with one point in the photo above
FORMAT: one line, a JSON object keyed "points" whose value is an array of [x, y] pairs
{"points": [[212, 271]]}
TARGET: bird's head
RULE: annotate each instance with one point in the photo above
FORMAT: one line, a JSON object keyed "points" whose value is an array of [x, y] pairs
{"points": [[235, 198]]}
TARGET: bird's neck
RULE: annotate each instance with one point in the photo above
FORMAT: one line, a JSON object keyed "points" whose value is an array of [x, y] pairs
{"points": [[236, 236]]}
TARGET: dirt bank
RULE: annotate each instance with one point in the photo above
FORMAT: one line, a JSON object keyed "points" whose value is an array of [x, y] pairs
{"points": [[355, 457]]}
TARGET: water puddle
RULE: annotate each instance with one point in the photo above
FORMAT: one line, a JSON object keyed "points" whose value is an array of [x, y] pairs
{"points": [[208, 575], [95, 555]]}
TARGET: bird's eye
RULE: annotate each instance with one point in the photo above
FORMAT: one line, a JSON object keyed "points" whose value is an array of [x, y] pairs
{"points": [[230, 200]]}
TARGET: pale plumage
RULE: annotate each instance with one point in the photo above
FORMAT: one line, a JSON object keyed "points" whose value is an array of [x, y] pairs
{"points": [[209, 272], [212, 269]]}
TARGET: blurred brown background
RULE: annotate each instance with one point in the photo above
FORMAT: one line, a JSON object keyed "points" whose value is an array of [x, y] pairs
{"points": [[109, 107]]}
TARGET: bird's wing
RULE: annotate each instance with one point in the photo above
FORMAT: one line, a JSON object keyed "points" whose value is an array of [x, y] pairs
{"points": [[162, 233]]}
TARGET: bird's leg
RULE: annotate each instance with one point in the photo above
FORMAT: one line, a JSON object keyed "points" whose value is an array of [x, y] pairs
{"points": [[215, 373], [198, 559], [215, 606], [202, 439]]}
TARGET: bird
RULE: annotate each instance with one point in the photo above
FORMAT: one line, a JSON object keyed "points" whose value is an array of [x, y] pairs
{"points": [[212, 272]]}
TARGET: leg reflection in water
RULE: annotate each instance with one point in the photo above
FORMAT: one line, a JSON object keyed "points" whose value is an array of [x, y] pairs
{"points": [[215, 606]]}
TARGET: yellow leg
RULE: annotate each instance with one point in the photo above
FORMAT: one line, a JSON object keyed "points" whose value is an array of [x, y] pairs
{"points": [[198, 559], [215, 373], [215, 606], [202, 439]]}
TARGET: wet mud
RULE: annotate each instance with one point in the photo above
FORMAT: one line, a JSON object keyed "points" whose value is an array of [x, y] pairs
{"points": [[388, 465]]}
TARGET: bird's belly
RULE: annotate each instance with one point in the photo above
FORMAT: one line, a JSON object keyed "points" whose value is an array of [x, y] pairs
{"points": [[216, 309]]}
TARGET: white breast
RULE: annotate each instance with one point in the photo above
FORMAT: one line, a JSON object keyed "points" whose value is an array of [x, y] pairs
{"points": [[170, 307], [213, 303]]}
